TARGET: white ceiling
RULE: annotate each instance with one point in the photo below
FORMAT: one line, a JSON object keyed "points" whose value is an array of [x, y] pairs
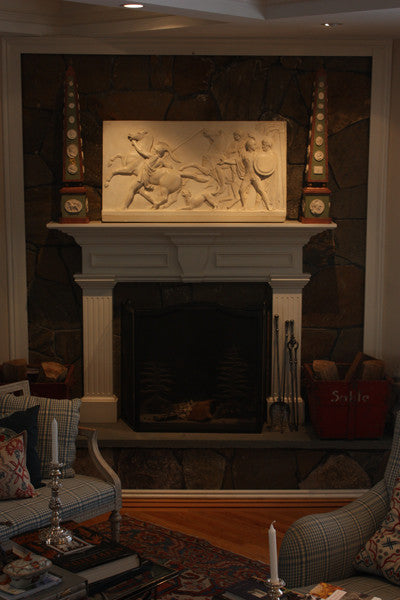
{"points": [[373, 19]]}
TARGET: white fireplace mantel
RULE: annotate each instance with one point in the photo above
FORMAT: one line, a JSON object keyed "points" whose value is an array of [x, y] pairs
{"points": [[187, 252]]}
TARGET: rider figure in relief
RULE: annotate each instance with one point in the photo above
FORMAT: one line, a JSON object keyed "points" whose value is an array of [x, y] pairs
{"points": [[154, 159]]}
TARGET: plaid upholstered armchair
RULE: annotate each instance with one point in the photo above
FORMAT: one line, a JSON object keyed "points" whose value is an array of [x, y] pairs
{"points": [[322, 547]]}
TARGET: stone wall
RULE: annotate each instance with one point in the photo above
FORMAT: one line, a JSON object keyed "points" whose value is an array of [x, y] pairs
{"points": [[199, 88], [208, 88], [241, 468]]}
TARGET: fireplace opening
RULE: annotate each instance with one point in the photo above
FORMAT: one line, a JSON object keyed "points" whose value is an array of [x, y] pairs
{"points": [[195, 367]]}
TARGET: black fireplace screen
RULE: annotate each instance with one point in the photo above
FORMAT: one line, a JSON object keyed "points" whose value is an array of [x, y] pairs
{"points": [[194, 367]]}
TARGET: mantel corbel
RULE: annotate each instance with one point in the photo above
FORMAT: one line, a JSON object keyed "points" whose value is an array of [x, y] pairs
{"points": [[95, 285], [284, 283]]}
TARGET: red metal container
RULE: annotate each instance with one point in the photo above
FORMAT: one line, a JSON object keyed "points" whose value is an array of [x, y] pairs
{"points": [[340, 410]]}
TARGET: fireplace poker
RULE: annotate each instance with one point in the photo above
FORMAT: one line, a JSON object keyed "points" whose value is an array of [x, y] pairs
{"points": [[278, 368], [291, 360], [278, 372], [296, 345], [284, 366]]}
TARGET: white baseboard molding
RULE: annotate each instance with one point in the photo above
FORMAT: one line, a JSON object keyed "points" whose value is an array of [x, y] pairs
{"points": [[232, 495]]}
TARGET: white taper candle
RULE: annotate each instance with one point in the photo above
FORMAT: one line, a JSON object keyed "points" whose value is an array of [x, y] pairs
{"points": [[54, 441], [273, 554]]}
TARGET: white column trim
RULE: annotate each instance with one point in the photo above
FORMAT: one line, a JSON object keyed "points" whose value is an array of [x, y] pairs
{"points": [[377, 200], [4, 303], [13, 198]]}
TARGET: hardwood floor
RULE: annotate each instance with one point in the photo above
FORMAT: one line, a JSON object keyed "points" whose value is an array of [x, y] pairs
{"points": [[240, 530], [240, 527]]}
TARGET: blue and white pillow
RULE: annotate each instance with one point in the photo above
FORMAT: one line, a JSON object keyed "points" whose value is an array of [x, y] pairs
{"points": [[66, 413]]}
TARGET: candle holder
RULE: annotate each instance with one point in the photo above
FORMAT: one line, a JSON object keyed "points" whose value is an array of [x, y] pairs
{"points": [[55, 535], [275, 590]]}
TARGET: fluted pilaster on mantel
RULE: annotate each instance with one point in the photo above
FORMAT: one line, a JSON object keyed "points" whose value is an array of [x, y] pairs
{"points": [[98, 403]]}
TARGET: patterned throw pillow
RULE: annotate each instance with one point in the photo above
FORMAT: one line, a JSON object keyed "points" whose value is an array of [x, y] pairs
{"points": [[26, 420], [381, 554], [66, 412], [14, 476]]}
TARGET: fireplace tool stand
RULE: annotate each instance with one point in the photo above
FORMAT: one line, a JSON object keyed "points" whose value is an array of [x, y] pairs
{"points": [[279, 410]]}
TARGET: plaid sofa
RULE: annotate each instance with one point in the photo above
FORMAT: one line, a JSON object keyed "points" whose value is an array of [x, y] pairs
{"points": [[82, 496], [322, 547]]}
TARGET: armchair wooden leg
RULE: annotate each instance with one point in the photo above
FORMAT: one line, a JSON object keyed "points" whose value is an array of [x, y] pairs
{"points": [[115, 519]]}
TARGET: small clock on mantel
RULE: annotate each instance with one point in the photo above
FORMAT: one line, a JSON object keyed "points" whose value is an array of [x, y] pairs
{"points": [[316, 194], [74, 204]]}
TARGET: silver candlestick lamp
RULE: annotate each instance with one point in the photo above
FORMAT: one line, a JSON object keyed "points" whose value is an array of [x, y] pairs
{"points": [[55, 535]]}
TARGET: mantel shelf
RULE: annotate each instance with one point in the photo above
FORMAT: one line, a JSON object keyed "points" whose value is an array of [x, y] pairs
{"points": [[289, 226], [292, 223]]}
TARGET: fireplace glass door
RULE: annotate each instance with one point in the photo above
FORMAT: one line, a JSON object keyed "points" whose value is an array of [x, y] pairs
{"points": [[194, 367]]}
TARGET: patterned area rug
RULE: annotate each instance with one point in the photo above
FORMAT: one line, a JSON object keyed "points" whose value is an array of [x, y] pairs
{"points": [[205, 569]]}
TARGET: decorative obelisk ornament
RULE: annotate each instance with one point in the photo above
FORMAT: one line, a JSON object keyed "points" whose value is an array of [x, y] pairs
{"points": [[316, 203], [73, 193]]}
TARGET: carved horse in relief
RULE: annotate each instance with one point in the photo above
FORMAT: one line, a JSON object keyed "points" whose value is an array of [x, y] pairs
{"points": [[155, 180]]}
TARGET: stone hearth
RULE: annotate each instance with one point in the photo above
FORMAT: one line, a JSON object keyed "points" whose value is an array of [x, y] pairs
{"points": [[177, 462]]}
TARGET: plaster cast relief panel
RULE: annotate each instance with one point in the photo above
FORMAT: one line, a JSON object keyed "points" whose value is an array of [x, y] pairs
{"points": [[184, 171]]}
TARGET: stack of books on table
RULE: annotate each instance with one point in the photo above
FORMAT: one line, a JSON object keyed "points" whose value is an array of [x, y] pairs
{"points": [[92, 557], [255, 589]]}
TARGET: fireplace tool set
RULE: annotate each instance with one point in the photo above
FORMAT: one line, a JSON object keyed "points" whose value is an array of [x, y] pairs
{"points": [[284, 414]]}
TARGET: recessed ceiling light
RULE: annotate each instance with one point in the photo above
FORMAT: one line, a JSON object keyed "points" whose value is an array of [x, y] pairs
{"points": [[331, 24], [132, 5]]}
